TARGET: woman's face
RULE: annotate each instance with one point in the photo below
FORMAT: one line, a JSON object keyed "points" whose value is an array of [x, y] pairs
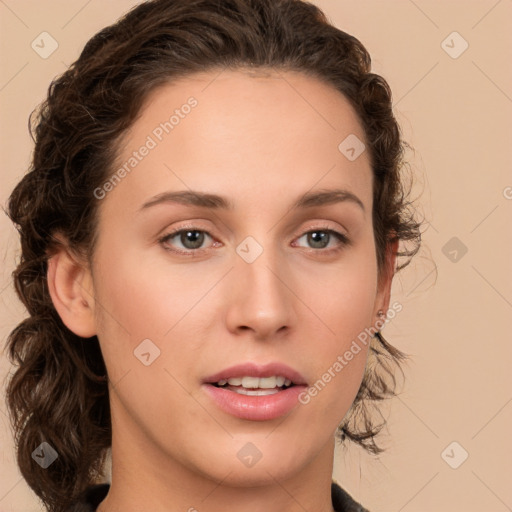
{"points": [[257, 279]]}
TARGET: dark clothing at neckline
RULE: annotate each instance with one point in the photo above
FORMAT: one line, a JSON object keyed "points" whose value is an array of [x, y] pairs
{"points": [[94, 495]]}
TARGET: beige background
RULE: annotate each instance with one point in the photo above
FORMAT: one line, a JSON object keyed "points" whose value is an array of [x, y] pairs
{"points": [[456, 112]]}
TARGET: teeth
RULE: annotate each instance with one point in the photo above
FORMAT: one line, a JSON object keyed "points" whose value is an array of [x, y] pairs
{"points": [[253, 382], [256, 382]]}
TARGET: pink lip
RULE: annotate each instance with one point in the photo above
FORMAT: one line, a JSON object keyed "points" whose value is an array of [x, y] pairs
{"points": [[254, 370], [256, 408]]}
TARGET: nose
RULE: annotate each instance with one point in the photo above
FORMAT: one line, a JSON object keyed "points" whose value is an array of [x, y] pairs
{"points": [[260, 298]]}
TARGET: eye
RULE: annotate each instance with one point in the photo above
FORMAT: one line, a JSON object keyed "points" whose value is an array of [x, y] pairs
{"points": [[191, 239], [321, 237]]}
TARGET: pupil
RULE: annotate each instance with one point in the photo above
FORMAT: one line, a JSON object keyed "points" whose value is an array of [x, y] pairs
{"points": [[193, 237], [320, 240]]}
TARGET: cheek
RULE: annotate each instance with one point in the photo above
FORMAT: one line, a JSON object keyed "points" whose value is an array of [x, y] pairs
{"points": [[345, 300], [138, 315], [145, 296], [136, 300], [341, 339]]}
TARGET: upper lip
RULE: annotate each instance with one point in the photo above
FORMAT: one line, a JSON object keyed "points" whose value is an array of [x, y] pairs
{"points": [[252, 369]]}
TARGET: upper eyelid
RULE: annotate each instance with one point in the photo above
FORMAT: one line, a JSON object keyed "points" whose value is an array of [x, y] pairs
{"points": [[195, 227], [343, 237]]}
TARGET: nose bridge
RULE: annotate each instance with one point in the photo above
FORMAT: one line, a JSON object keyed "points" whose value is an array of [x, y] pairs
{"points": [[261, 300]]}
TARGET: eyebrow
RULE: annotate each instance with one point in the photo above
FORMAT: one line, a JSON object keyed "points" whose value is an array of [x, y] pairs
{"points": [[213, 201]]}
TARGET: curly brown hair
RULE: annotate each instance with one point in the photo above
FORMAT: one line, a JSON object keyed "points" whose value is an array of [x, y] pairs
{"points": [[57, 393]]}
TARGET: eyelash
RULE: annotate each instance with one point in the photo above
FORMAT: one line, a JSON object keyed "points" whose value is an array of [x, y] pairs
{"points": [[343, 240]]}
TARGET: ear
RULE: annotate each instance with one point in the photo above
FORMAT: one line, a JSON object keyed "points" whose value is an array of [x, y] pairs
{"points": [[70, 286], [386, 279]]}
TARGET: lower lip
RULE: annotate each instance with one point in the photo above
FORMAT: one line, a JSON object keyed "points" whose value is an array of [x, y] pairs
{"points": [[255, 408]]}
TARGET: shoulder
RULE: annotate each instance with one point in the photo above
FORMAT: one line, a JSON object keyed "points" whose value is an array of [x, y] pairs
{"points": [[89, 500], [343, 502]]}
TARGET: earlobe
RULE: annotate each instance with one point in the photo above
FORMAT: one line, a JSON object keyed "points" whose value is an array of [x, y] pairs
{"points": [[386, 279], [70, 288]]}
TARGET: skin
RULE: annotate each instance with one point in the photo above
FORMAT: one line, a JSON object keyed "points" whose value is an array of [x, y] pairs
{"points": [[261, 141]]}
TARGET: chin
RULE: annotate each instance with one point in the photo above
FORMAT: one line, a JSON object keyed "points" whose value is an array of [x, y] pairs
{"points": [[250, 466]]}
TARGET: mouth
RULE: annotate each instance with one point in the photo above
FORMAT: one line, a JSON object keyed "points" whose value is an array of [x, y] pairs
{"points": [[251, 376], [255, 386], [256, 392]]}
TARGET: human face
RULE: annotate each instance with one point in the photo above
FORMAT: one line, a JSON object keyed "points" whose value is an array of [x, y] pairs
{"points": [[211, 300]]}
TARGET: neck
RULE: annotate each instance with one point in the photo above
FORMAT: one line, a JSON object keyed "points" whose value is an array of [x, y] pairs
{"points": [[145, 479]]}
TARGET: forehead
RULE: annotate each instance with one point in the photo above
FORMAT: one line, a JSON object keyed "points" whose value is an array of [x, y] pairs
{"points": [[239, 132], [247, 98]]}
